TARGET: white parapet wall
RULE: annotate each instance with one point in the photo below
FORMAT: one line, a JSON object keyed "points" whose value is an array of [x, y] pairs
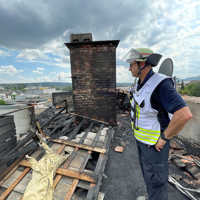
{"points": [[22, 118], [192, 128]]}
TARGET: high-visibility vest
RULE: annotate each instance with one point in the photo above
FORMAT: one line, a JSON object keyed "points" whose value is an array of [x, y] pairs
{"points": [[144, 121]]}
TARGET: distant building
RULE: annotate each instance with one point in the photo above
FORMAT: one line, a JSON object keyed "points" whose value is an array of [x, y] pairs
{"points": [[125, 89], [39, 90], [19, 98], [46, 90], [1, 88], [2, 96]]}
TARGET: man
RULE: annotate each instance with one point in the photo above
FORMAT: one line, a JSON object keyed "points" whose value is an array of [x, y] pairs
{"points": [[153, 97]]}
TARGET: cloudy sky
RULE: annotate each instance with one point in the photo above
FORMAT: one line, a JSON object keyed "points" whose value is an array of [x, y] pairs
{"points": [[33, 33]]}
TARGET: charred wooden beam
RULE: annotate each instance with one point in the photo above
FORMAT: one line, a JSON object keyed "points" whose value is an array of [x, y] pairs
{"points": [[77, 129], [6, 120], [23, 142], [64, 126], [52, 118], [67, 128], [81, 146], [8, 144], [92, 119], [11, 157]]}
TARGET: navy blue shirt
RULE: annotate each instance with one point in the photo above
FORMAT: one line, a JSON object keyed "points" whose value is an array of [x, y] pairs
{"points": [[164, 99]]}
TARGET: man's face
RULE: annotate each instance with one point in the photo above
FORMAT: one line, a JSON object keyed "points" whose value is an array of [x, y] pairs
{"points": [[134, 69]]}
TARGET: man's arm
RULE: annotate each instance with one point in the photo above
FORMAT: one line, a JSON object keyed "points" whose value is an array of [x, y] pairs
{"points": [[179, 119], [177, 122]]}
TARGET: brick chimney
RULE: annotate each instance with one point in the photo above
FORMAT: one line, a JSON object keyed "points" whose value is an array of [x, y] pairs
{"points": [[93, 68]]}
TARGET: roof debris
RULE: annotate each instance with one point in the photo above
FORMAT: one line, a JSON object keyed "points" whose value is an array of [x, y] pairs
{"points": [[80, 176], [184, 168], [119, 149]]}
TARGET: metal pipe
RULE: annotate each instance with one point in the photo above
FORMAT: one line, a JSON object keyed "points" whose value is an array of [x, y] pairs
{"points": [[89, 118], [182, 189]]}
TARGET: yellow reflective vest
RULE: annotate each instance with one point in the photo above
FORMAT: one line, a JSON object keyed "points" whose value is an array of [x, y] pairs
{"points": [[144, 121]]}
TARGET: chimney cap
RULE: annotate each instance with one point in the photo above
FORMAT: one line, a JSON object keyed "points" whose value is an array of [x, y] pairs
{"points": [[82, 37]]}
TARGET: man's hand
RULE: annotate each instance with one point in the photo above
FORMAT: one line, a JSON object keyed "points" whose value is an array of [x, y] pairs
{"points": [[160, 144]]}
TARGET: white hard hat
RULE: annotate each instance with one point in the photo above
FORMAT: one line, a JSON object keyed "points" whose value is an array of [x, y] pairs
{"points": [[139, 55]]}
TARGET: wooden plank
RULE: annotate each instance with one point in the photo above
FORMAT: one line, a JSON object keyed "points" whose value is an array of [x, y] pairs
{"points": [[84, 185], [83, 165], [108, 136], [94, 189], [61, 148], [39, 129], [5, 194], [72, 155], [76, 181], [73, 174], [10, 170], [81, 146], [14, 196], [21, 186], [66, 172], [62, 187], [66, 164], [71, 189], [78, 160]]}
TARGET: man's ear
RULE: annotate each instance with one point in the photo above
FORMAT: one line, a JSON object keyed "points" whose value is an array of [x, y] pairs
{"points": [[141, 64]]}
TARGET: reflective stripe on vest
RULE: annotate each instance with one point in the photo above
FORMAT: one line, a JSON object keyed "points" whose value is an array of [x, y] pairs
{"points": [[137, 114], [141, 134]]}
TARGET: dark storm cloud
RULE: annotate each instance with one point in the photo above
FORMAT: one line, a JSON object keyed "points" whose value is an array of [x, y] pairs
{"points": [[29, 24]]}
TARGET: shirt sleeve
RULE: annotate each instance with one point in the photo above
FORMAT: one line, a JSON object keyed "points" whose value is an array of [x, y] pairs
{"points": [[166, 96]]}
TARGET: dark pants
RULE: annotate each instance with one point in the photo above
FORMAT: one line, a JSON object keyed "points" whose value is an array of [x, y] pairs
{"points": [[154, 165]]}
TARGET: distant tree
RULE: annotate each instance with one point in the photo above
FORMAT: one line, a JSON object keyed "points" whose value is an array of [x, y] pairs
{"points": [[21, 86], [2, 102], [192, 89], [67, 88], [13, 96]]}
